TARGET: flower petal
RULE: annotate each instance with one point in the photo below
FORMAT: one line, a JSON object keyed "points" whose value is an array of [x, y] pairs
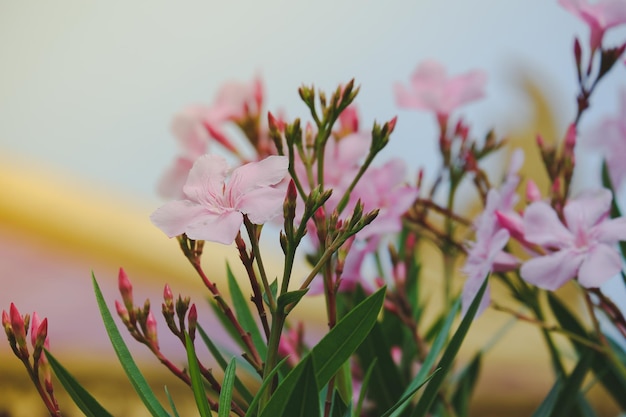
{"points": [[206, 178], [587, 209], [552, 271], [602, 263], [173, 217], [262, 204], [543, 227], [220, 228], [470, 289], [269, 171]]}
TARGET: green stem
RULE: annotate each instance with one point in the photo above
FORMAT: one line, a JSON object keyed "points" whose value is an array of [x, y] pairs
{"points": [[259, 261], [278, 322]]}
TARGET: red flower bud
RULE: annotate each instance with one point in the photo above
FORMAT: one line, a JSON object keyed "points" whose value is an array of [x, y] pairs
{"points": [[126, 289]]}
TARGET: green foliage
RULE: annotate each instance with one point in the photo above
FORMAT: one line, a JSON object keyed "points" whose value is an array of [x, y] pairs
{"points": [[226, 394], [81, 397], [137, 380], [197, 385]]}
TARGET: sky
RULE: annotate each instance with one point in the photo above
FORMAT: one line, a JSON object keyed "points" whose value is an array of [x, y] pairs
{"points": [[88, 89]]}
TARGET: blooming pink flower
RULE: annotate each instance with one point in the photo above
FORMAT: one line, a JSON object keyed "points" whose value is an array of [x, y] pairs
{"points": [[610, 135], [583, 247], [213, 209], [486, 254], [599, 16], [431, 89]]}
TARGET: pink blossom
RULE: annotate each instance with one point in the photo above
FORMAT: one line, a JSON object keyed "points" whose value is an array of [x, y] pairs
{"points": [[431, 89], [599, 16], [610, 135], [584, 246], [384, 188], [213, 209], [486, 254]]}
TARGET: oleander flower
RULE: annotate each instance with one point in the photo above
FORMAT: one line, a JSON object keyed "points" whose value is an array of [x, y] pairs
{"points": [[213, 208], [610, 136], [431, 89], [599, 16], [583, 247]]}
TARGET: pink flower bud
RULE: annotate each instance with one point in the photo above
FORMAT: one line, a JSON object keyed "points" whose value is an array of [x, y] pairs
{"points": [[532, 191], [540, 141], [577, 53], [122, 312], [151, 329], [34, 325], [17, 324], [6, 323], [168, 297], [570, 137], [126, 288], [40, 335], [513, 223], [392, 124], [192, 321]]}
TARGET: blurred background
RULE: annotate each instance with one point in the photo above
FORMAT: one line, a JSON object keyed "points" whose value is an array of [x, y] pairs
{"points": [[87, 92]]}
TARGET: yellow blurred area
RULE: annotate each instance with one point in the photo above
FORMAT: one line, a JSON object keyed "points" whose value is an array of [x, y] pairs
{"points": [[43, 213]]}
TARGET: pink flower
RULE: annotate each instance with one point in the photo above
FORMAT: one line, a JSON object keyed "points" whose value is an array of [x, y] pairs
{"points": [[486, 254], [599, 16], [213, 209], [583, 247], [431, 89], [610, 134], [384, 188]]}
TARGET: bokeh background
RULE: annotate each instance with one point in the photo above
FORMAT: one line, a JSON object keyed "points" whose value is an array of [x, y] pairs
{"points": [[87, 92]]}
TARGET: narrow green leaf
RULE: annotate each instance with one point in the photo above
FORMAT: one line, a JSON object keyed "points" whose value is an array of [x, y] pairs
{"points": [[273, 289], [341, 342], [386, 385], [606, 371], [397, 408], [197, 386], [304, 401], [445, 364], [465, 386], [364, 389], [429, 362], [226, 394], [242, 310], [85, 402], [227, 325], [547, 405], [571, 387], [343, 382], [290, 297], [339, 408], [219, 358], [171, 401], [332, 351], [137, 380], [252, 410]]}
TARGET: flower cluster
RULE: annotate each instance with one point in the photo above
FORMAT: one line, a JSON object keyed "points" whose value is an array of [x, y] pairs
{"points": [[364, 229]]}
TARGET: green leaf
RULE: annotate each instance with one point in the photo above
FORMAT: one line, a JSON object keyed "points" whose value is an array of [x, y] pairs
{"points": [[243, 313], [290, 297], [568, 395], [343, 382], [197, 386], [85, 402], [252, 410], [445, 364], [331, 352], [364, 389], [343, 339], [603, 367], [226, 394], [171, 401], [339, 408], [273, 289], [547, 405], [429, 362], [465, 386], [304, 401], [386, 384], [397, 408], [137, 380], [219, 358]]}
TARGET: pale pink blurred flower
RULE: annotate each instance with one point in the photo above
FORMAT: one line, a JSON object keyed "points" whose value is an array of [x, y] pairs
{"points": [[431, 89], [610, 135], [583, 247], [599, 16], [384, 188], [213, 209], [486, 254]]}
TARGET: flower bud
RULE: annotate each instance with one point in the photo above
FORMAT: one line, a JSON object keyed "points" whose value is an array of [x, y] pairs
{"points": [[192, 321], [126, 289], [577, 54], [532, 192], [151, 329], [122, 312], [18, 327], [513, 224], [289, 206], [6, 323], [168, 297]]}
